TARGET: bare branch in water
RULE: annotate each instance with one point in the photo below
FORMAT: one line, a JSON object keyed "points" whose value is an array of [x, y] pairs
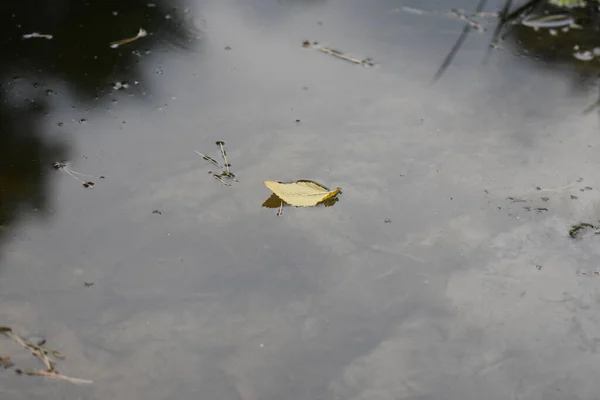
{"points": [[499, 26], [56, 375], [459, 42], [43, 354]]}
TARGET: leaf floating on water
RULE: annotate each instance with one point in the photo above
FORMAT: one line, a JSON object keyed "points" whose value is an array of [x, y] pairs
{"points": [[301, 193]]}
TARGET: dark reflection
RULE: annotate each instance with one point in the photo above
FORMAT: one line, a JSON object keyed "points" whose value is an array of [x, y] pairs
{"points": [[560, 37], [24, 160], [76, 63], [459, 42], [79, 52], [275, 201], [557, 34]]}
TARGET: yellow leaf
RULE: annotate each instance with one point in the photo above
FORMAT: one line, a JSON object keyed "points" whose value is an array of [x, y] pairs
{"points": [[301, 193]]}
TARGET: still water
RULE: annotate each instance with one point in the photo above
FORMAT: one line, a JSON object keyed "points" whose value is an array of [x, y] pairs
{"points": [[444, 271]]}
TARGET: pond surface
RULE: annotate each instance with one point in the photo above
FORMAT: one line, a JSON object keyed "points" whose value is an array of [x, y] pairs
{"points": [[444, 271]]}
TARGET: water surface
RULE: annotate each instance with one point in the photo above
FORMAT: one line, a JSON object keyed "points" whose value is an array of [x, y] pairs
{"points": [[423, 282]]}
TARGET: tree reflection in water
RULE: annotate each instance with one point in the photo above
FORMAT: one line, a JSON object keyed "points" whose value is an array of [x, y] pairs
{"points": [[77, 58]]}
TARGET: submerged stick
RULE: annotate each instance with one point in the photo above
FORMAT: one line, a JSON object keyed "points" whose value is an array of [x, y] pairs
{"points": [[37, 351], [520, 10], [36, 35], [459, 42], [121, 42], [219, 178], [63, 166], [225, 168], [343, 56], [559, 188], [224, 155], [494, 40], [41, 353], [207, 158], [56, 375]]}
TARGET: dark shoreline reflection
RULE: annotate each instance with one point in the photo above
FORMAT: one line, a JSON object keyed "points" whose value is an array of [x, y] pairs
{"points": [[566, 47], [79, 61]]}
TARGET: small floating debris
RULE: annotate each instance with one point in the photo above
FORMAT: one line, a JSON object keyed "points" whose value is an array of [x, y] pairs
{"points": [[225, 173], [548, 21], [338, 54], [88, 284], [36, 35], [302, 193], [462, 15], [577, 230], [558, 189], [584, 55], [118, 43], [63, 166], [595, 273], [411, 10], [469, 17], [5, 362], [45, 355], [120, 85]]}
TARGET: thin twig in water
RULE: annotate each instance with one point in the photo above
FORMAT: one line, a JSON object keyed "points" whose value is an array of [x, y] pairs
{"points": [[225, 168], [218, 177], [42, 354], [517, 14], [499, 26], [207, 158], [36, 35], [592, 106], [463, 36], [521, 10], [224, 155], [559, 188], [64, 166], [343, 56], [141, 33], [39, 352], [56, 375]]}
